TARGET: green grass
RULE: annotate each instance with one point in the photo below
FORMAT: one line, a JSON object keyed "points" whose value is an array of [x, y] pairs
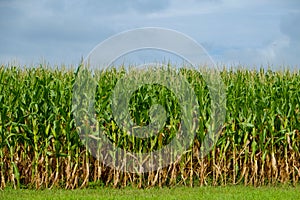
{"points": [[228, 192]]}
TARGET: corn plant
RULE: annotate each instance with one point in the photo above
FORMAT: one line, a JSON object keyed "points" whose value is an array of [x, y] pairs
{"points": [[40, 146]]}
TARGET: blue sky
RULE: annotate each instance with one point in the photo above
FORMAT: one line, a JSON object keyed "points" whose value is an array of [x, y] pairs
{"points": [[252, 33]]}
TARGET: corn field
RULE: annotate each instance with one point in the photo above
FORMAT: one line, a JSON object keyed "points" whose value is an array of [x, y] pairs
{"points": [[40, 146]]}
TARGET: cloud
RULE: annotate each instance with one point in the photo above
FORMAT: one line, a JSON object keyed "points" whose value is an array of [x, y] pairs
{"points": [[262, 34], [232, 31], [290, 26]]}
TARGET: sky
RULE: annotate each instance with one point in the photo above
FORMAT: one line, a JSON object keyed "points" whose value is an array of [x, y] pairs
{"points": [[234, 32]]}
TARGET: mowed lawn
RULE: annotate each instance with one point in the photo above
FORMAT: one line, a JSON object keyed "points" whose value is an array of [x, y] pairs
{"points": [[227, 192]]}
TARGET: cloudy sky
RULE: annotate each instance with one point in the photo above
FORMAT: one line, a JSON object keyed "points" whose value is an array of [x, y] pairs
{"points": [[250, 32]]}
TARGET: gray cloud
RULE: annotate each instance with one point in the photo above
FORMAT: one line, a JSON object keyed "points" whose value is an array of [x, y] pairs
{"points": [[232, 31], [290, 26]]}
